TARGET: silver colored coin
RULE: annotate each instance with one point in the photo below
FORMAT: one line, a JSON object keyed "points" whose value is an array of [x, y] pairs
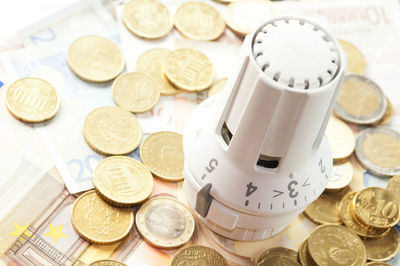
{"points": [[342, 174], [165, 222], [378, 150], [360, 100]]}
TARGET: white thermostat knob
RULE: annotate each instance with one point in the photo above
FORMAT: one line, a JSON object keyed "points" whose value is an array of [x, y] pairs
{"points": [[256, 154]]}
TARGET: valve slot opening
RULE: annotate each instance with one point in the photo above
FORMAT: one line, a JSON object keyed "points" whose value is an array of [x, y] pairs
{"points": [[226, 134], [268, 161]]}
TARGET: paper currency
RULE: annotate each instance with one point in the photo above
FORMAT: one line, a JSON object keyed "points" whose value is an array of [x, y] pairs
{"points": [[368, 24], [49, 239]]}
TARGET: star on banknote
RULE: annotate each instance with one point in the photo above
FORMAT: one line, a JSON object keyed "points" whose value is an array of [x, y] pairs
{"points": [[56, 233]]}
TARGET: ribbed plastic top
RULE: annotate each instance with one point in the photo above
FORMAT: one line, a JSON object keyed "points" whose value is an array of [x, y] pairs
{"points": [[296, 53]]}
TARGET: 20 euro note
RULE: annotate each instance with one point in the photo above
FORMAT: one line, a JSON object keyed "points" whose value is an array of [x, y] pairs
{"points": [[63, 138]]}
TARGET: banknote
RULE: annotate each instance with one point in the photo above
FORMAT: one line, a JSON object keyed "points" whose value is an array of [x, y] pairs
{"points": [[135, 251], [129, 40], [72, 19], [367, 23]]}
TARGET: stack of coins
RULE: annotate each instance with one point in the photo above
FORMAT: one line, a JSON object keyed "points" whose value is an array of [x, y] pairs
{"points": [[372, 214], [332, 245]]}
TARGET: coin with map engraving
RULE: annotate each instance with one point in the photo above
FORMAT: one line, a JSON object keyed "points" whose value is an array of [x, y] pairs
{"points": [[112, 130], [98, 222]]}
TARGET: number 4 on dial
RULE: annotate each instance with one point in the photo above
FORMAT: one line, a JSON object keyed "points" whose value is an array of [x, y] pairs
{"points": [[250, 189]]}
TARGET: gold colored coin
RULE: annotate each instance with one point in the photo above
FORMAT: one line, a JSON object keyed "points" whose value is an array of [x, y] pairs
{"points": [[165, 222], [98, 222], [123, 181], [95, 59], [136, 92], [32, 100], [394, 186], [376, 207], [378, 150], [377, 264], [242, 17], [360, 100], [336, 245], [199, 21], [227, 1], [111, 130], [277, 260], [304, 256], [387, 116], [341, 139], [355, 59], [342, 174], [162, 152], [325, 209], [384, 248], [107, 263], [217, 87], [198, 255], [189, 70], [152, 62], [147, 19], [279, 251], [265, 258], [346, 214]]}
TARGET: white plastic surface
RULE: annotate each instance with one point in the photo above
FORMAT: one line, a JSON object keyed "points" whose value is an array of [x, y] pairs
{"points": [[266, 120]]}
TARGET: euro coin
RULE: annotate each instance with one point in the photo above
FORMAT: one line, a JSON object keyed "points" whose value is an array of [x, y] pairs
{"points": [[189, 70], [360, 100], [340, 138], [32, 100], [107, 263], [342, 174], [304, 256], [378, 150], [376, 207], [384, 248], [98, 222], [199, 21], [198, 255], [355, 59], [346, 214], [336, 245], [147, 19], [278, 260], [112, 130], [122, 181], [394, 186], [325, 209], [165, 222], [387, 116], [152, 62], [136, 92], [242, 17], [95, 59], [162, 152], [226, 1], [270, 256], [217, 87], [279, 251]]}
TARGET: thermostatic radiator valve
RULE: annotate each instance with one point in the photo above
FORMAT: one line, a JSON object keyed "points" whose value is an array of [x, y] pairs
{"points": [[256, 154]]}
